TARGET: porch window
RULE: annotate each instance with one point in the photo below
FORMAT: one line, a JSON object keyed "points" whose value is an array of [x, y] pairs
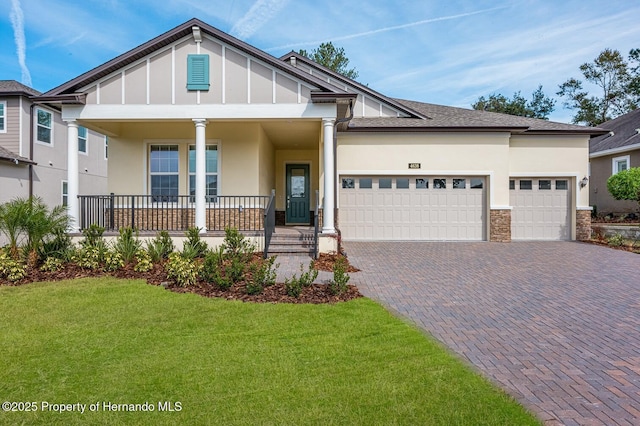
{"points": [[163, 168], [211, 159], [45, 124], [3, 116], [82, 139]]}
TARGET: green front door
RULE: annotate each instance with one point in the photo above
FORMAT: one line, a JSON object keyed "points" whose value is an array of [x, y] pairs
{"points": [[298, 200]]}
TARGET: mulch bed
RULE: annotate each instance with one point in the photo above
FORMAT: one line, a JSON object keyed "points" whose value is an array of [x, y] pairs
{"points": [[326, 261], [315, 294]]}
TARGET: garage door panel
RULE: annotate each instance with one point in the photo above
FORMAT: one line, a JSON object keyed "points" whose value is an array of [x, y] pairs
{"points": [[414, 213], [540, 214]]}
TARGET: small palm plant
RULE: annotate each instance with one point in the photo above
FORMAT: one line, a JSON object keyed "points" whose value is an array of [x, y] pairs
{"points": [[29, 220]]}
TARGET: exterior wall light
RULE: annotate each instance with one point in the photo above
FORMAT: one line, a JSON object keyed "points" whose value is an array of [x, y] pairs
{"points": [[584, 182]]}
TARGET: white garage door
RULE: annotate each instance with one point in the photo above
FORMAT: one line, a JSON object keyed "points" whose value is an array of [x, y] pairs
{"points": [[412, 208], [541, 209]]}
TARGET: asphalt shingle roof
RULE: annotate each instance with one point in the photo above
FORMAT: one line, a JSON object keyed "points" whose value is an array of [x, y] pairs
{"points": [[440, 116], [625, 133], [7, 155], [12, 87]]}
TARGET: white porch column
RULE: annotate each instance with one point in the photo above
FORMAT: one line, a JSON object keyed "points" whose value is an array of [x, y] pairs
{"points": [[329, 181], [201, 174], [72, 175]]}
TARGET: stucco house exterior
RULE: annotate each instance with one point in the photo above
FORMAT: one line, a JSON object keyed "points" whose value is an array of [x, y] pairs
{"points": [[196, 117], [616, 150], [34, 152]]}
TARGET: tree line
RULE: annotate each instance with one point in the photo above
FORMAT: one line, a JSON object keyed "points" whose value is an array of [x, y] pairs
{"points": [[616, 80]]}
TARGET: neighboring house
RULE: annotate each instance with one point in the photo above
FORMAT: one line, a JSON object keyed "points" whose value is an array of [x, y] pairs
{"points": [[196, 116], [33, 149], [617, 150]]}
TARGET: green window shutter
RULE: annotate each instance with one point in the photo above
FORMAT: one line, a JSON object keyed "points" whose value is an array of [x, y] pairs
{"points": [[197, 72]]}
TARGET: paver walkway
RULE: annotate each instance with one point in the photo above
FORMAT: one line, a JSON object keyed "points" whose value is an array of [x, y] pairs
{"points": [[555, 324]]}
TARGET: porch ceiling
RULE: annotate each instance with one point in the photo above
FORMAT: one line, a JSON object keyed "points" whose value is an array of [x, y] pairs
{"points": [[292, 134]]}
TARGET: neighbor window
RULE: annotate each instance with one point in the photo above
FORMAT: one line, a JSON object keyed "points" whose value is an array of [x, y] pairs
{"points": [[3, 116], [439, 183], [45, 125], [620, 164], [65, 193], [402, 183], [365, 183], [562, 184], [163, 171], [525, 184], [211, 159], [384, 183], [82, 139], [544, 184]]}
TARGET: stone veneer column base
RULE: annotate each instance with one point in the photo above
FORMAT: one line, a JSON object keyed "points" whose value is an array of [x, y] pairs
{"points": [[500, 226], [583, 225]]}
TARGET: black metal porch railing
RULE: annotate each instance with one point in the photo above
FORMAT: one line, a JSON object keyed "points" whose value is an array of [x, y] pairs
{"points": [[315, 226], [269, 222], [172, 213]]}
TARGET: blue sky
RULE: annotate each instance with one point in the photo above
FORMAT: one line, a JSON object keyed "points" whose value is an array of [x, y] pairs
{"points": [[447, 52]]}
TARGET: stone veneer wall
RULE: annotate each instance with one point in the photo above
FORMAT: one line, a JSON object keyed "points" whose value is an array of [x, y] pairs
{"points": [[174, 219], [500, 226], [583, 225]]}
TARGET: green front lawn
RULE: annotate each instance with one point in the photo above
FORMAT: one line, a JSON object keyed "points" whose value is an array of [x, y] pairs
{"points": [[108, 341]]}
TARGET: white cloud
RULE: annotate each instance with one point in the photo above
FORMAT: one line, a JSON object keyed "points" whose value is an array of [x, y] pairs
{"points": [[17, 22], [260, 13]]}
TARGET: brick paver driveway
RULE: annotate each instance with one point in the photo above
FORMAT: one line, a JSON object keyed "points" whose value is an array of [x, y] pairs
{"points": [[555, 324]]}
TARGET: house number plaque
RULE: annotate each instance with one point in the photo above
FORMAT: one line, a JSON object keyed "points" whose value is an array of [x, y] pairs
{"points": [[415, 165]]}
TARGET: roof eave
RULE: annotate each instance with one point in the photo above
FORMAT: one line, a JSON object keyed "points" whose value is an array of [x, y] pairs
{"points": [[613, 151], [66, 99], [424, 129]]}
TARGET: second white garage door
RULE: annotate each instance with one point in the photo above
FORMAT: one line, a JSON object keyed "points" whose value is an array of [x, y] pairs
{"points": [[412, 208], [541, 209]]}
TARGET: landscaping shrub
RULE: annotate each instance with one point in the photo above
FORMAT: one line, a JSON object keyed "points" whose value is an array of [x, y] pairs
{"points": [[160, 247], [52, 264], [10, 268], [194, 246], [182, 270], [143, 261], [59, 247], [127, 244], [213, 269], [263, 274], [89, 257], [29, 220], [113, 260], [340, 276], [615, 240], [93, 236], [294, 285], [236, 245]]}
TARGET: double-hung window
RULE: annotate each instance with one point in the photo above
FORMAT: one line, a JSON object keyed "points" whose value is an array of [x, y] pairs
{"points": [[620, 164], [44, 126], [3, 116], [163, 171], [82, 139], [211, 170]]}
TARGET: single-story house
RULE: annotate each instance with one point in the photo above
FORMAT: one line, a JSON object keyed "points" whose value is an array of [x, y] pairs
{"points": [[616, 150], [197, 118], [33, 150]]}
